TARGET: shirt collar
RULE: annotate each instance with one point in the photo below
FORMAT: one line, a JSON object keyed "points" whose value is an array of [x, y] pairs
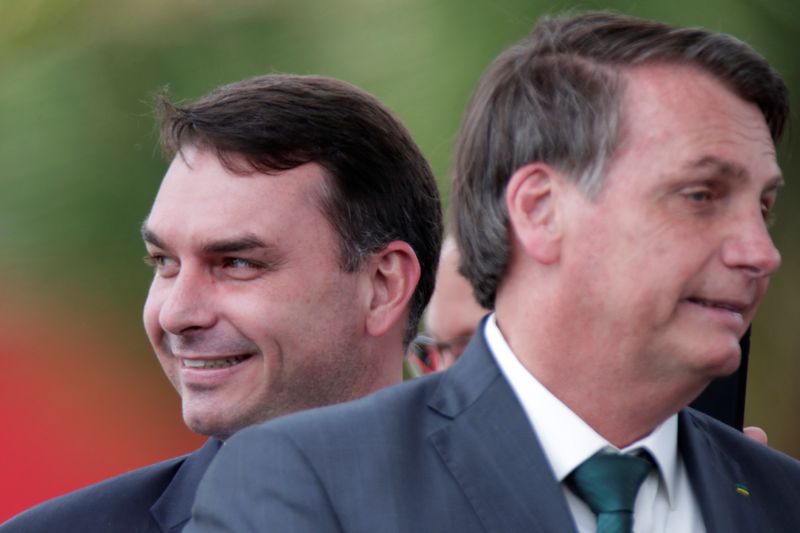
{"points": [[566, 439]]}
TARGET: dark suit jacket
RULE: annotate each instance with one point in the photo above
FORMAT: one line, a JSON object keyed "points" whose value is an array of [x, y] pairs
{"points": [[157, 498], [454, 452]]}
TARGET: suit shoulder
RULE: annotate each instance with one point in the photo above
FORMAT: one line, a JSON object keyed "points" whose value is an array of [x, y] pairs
{"points": [[123, 499], [753, 456]]}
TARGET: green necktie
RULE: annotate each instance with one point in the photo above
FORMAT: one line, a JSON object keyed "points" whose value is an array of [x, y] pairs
{"points": [[608, 483]]}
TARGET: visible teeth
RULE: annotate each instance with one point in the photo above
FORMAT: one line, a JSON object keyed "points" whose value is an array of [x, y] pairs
{"points": [[214, 363]]}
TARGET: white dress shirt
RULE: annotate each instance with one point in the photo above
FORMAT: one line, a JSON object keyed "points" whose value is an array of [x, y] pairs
{"points": [[665, 502]]}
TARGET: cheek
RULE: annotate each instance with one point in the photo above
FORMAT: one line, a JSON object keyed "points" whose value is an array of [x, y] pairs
{"points": [[155, 334], [258, 315], [150, 317]]}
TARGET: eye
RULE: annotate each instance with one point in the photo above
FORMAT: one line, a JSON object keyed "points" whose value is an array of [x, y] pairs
{"points": [[240, 268], [767, 214], [703, 197], [699, 195], [238, 262], [163, 265]]}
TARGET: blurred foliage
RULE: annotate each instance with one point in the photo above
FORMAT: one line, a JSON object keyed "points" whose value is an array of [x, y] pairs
{"points": [[78, 141]]}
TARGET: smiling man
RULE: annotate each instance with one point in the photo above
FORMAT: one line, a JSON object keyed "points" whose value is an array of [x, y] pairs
{"points": [[294, 241], [249, 312], [613, 181]]}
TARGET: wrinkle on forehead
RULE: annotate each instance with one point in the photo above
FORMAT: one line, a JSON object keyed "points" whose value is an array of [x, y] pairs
{"points": [[656, 94]]}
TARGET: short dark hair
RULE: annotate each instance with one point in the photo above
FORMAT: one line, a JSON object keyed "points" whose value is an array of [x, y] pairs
{"points": [[555, 97], [380, 186]]}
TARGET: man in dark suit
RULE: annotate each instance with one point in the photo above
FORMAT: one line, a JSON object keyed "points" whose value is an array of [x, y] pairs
{"points": [[613, 178], [294, 239], [453, 315]]}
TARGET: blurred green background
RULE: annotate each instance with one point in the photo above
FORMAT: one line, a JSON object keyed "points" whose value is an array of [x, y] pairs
{"points": [[80, 168]]}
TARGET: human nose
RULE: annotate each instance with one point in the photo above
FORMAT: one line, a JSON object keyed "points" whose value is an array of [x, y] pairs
{"points": [[750, 248], [188, 304]]}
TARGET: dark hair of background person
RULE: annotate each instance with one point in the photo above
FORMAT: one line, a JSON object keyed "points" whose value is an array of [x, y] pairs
{"points": [[556, 97], [381, 188]]}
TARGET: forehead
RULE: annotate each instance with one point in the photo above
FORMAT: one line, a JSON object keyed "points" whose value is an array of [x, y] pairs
{"points": [[675, 115], [200, 199]]}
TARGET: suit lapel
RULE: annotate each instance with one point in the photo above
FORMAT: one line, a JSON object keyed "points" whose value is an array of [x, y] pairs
{"points": [[173, 509], [491, 450], [715, 478]]}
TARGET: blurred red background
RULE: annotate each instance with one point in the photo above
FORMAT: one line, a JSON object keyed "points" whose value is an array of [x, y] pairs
{"points": [[74, 411]]}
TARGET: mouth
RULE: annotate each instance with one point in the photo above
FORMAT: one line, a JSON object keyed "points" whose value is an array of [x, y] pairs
{"points": [[213, 363], [731, 307]]}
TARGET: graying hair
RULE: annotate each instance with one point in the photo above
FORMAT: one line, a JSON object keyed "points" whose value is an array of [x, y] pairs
{"points": [[556, 97]]}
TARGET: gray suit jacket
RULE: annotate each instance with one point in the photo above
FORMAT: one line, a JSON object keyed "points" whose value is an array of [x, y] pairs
{"points": [[154, 499], [454, 452]]}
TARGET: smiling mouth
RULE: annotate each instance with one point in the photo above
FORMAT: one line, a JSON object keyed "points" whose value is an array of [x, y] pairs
{"points": [[210, 364]]}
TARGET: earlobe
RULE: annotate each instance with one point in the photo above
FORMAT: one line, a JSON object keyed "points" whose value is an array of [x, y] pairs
{"points": [[532, 200], [394, 272]]}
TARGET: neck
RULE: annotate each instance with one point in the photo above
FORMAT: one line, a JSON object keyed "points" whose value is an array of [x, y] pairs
{"points": [[593, 373], [386, 362]]}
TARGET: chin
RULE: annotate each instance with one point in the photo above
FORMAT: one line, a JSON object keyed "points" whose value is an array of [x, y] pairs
{"points": [[198, 425], [720, 361], [209, 424]]}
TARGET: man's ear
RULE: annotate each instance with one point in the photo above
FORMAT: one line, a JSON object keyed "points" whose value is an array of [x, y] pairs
{"points": [[532, 201], [394, 273]]}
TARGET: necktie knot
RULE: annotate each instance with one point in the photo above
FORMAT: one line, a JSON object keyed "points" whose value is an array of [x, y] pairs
{"points": [[608, 483]]}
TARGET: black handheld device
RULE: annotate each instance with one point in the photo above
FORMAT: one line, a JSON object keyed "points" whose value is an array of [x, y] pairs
{"points": [[724, 397]]}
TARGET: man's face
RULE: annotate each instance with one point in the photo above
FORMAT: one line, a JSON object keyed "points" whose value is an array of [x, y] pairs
{"points": [[249, 312], [671, 261]]}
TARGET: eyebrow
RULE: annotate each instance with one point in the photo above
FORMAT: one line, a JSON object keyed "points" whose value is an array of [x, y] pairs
{"points": [[720, 167], [150, 236], [238, 244], [729, 170], [246, 242]]}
